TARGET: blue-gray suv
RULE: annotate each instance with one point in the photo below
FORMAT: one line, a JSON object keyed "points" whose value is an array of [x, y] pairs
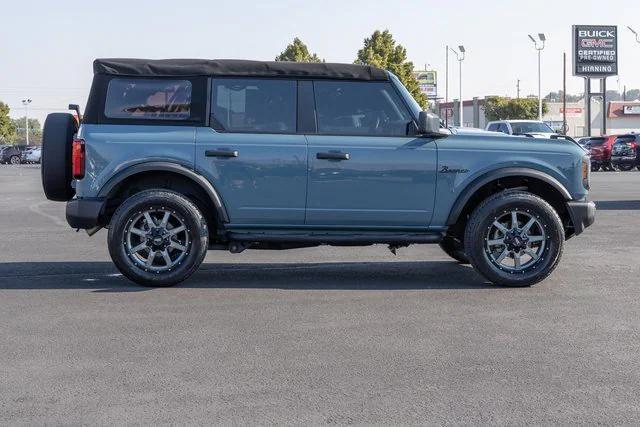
{"points": [[176, 157]]}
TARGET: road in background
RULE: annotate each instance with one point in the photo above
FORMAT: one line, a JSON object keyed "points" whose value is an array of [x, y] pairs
{"points": [[322, 335]]}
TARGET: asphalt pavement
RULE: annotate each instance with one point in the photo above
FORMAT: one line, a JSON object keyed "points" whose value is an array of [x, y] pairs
{"points": [[322, 335]]}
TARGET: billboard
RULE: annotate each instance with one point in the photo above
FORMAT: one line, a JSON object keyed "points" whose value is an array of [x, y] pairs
{"points": [[595, 50], [428, 82]]}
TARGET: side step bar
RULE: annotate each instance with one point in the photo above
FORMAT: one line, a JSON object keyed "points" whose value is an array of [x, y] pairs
{"points": [[338, 238]]}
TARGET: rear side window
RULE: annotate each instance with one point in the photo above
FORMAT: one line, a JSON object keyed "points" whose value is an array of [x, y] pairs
{"points": [[152, 99], [594, 142], [493, 127], [502, 127], [254, 105], [360, 108]]}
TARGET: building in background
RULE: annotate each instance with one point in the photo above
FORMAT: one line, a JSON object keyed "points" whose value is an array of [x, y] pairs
{"points": [[472, 113], [622, 116]]}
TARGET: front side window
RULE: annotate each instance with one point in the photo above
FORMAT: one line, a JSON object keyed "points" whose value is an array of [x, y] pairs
{"points": [[150, 99], [360, 108], [254, 105]]}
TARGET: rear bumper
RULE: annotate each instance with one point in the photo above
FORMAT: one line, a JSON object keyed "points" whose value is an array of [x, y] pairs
{"points": [[624, 160], [84, 213], [582, 213]]}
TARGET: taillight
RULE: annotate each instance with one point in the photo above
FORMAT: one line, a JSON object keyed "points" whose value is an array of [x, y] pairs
{"points": [[77, 158], [586, 172]]}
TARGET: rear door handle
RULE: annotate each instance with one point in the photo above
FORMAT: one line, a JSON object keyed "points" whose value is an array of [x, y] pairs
{"points": [[332, 155], [221, 153]]}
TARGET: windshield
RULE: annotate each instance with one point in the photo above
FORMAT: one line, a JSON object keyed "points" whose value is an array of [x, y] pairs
{"points": [[531, 127], [413, 105]]}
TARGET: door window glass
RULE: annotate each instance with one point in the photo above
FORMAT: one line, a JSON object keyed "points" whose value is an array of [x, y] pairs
{"points": [[360, 108], [254, 105]]}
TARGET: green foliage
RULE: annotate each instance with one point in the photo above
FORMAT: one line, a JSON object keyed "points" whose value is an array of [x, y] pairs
{"points": [[500, 108], [7, 128], [35, 131], [298, 52], [381, 50]]}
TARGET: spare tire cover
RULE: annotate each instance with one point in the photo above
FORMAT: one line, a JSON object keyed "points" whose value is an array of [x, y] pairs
{"points": [[57, 139]]}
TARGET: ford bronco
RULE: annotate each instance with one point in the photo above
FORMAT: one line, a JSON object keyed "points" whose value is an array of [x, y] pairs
{"points": [[176, 157]]}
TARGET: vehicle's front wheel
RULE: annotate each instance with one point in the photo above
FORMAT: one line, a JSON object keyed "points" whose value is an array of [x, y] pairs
{"points": [[455, 249], [514, 238], [595, 167], [158, 238], [14, 160]]}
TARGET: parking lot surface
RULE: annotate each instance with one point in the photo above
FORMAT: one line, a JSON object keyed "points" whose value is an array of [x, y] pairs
{"points": [[323, 335]]}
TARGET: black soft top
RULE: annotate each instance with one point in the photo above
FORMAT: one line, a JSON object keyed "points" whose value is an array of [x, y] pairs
{"points": [[235, 68]]}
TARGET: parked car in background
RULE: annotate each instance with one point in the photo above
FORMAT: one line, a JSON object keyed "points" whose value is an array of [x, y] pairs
{"points": [[12, 154], [600, 150], [530, 128], [625, 153], [32, 156]]}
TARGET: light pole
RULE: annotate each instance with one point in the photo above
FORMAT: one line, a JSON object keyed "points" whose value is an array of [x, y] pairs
{"points": [[539, 47], [26, 103], [460, 57]]}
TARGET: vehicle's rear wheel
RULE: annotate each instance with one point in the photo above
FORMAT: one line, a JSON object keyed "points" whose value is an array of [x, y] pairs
{"points": [[14, 160], [158, 238], [455, 249], [625, 167], [595, 167], [514, 238]]}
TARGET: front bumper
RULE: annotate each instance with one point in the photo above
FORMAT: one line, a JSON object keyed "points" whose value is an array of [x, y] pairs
{"points": [[582, 213], [84, 213]]}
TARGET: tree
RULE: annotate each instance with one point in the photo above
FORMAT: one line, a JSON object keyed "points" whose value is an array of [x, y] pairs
{"points": [[298, 52], [35, 131], [381, 50], [500, 108], [7, 128], [557, 97]]}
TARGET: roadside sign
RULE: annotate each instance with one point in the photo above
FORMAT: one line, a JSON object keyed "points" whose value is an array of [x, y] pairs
{"points": [[428, 82], [595, 50]]}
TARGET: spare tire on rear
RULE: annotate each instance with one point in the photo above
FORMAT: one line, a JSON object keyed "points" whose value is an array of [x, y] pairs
{"points": [[57, 139]]}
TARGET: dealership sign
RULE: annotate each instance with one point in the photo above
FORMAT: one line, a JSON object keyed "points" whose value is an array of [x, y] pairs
{"points": [[428, 82], [595, 50]]}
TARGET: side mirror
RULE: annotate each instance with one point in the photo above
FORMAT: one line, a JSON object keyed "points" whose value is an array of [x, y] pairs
{"points": [[428, 123]]}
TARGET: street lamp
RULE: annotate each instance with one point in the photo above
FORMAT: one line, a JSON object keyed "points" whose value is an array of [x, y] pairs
{"points": [[634, 33], [460, 57], [26, 103], [539, 47]]}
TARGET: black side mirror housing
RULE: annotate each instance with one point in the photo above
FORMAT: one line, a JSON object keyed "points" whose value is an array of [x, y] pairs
{"points": [[428, 123]]}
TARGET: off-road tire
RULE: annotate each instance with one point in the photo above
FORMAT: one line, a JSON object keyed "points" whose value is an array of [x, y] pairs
{"points": [[488, 211], [158, 198], [455, 249]]}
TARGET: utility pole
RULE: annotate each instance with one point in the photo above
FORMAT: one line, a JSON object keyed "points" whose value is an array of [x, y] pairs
{"points": [[26, 103], [565, 128], [446, 89], [624, 93], [518, 89], [539, 48], [460, 58]]}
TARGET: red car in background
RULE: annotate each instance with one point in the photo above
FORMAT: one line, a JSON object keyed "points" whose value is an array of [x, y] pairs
{"points": [[600, 149]]}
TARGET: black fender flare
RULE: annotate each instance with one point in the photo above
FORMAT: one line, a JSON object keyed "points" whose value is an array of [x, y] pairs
{"points": [[198, 179], [482, 180]]}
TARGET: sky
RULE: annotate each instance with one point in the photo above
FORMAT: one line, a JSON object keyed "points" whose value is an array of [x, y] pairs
{"points": [[47, 47]]}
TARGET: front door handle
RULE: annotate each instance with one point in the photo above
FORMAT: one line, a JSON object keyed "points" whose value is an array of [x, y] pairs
{"points": [[221, 153], [332, 155]]}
